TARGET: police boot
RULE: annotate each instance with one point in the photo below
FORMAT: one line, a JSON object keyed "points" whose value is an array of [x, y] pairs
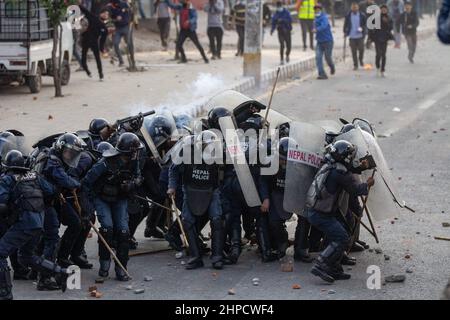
{"points": [[5, 284], [347, 260], [122, 251], [301, 244], [280, 236], [217, 241], [77, 251], [262, 233], [52, 276], [103, 253], [19, 271], [194, 248], [325, 263], [151, 228], [65, 248], [338, 273], [173, 237], [235, 245]]}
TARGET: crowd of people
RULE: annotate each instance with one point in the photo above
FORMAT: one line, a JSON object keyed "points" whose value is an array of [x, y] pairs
{"points": [[110, 22], [121, 173]]}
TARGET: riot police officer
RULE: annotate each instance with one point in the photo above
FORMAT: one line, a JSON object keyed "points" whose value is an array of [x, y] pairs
{"points": [[334, 177], [64, 154], [272, 194], [99, 130], [201, 196], [108, 184], [24, 193]]}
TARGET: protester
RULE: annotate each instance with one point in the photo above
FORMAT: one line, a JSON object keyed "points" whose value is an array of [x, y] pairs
{"points": [[355, 30], [163, 21], [324, 39], [409, 22], [188, 26], [282, 21], [305, 9], [381, 37], [396, 9], [363, 5], [93, 38], [121, 16], [239, 22], [215, 9]]}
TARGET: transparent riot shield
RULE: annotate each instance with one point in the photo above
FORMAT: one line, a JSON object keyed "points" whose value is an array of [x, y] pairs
{"points": [[383, 200], [304, 158], [237, 156]]}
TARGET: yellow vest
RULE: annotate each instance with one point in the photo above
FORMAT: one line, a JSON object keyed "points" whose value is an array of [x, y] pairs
{"points": [[306, 10]]}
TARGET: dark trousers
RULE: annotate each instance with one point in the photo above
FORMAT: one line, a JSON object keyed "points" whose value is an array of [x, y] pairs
{"points": [[93, 45], [241, 36], [164, 30], [357, 47], [284, 37], [307, 28], [215, 35], [185, 34], [380, 57], [411, 41], [71, 219]]}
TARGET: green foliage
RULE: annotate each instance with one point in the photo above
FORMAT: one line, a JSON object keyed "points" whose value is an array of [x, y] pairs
{"points": [[57, 9]]}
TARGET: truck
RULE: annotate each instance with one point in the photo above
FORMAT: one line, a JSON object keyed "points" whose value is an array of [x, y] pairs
{"points": [[26, 44]]}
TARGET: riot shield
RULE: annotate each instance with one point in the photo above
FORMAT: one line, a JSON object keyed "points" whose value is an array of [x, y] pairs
{"points": [[355, 137], [237, 156], [383, 200], [228, 99], [304, 158], [328, 125], [275, 118], [13, 143]]}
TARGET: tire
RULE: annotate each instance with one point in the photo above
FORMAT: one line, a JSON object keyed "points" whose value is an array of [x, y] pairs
{"points": [[65, 74], [35, 82]]}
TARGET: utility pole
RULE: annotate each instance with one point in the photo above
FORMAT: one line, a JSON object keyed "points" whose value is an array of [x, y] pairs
{"points": [[253, 39]]}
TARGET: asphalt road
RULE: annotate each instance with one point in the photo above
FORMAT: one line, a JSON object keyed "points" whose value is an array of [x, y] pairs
{"points": [[417, 147]]}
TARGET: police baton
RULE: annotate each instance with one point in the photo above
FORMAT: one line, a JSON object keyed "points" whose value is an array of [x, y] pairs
{"points": [[113, 255], [177, 215], [153, 202]]}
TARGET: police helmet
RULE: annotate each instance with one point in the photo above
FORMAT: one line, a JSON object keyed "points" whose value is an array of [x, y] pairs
{"points": [[159, 129], [69, 146], [214, 115], [97, 125], [343, 152], [128, 143], [15, 160], [255, 122]]}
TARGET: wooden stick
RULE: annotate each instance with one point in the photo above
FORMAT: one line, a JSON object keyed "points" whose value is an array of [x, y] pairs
{"points": [[177, 215], [78, 208], [442, 238], [271, 95]]}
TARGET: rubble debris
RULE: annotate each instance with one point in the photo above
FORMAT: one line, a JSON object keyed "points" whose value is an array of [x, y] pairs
{"points": [[446, 224], [92, 288], [441, 238], [100, 280], [139, 291], [148, 278], [50, 117], [255, 281], [231, 292], [296, 286], [409, 270], [386, 257], [331, 291], [378, 251], [396, 278]]}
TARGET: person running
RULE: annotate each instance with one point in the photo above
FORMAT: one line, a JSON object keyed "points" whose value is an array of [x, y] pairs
{"points": [[163, 21], [381, 37], [324, 39], [355, 30], [409, 22], [282, 21]]}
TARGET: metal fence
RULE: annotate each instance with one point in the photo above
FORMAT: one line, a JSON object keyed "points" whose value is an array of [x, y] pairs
{"points": [[23, 20]]}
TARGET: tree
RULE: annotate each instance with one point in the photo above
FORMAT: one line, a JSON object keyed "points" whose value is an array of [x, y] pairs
{"points": [[56, 10]]}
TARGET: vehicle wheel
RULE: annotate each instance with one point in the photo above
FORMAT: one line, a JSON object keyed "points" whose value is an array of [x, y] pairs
{"points": [[35, 82], [65, 74]]}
